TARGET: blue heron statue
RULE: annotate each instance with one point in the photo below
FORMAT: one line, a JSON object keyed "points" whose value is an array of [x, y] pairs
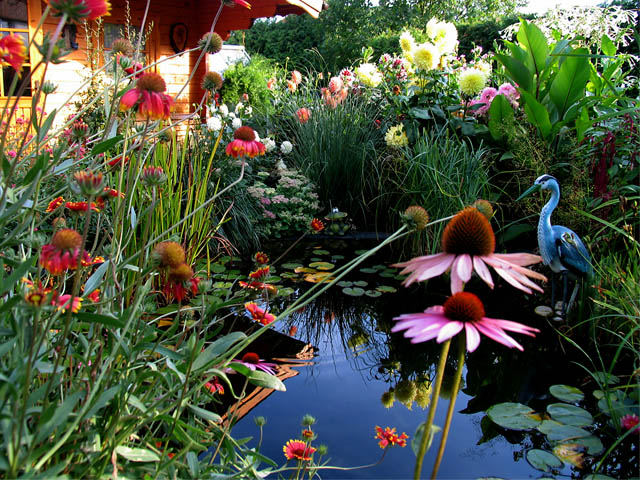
{"points": [[560, 247]]}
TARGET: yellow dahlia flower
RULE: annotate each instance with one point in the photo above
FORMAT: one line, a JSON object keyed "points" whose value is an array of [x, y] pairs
{"points": [[472, 81], [443, 34], [395, 137], [484, 67], [369, 74], [426, 56], [407, 43]]}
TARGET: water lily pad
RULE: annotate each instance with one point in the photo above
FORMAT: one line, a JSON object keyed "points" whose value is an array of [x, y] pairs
{"points": [[345, 283], [353, 291], [570, 453], [373, 293], [400, 278], [273, 278], [291, 266], [322, 265], [543, 311], [559, 432], [285, 291], [315, 259], [386, 289], [225, 259], [543, 460], [360, 283], [320, 251], [360, 252], [289, 275], [592, 444], [388, 274], [319, 277], [380, 267], [566, 393], [222, 285], [305, 270], [234, 272], [598, 476], [605, 378], [614, 403], [368, 270], [514, 416], [218, 268], [570, 414], [337, 257]]}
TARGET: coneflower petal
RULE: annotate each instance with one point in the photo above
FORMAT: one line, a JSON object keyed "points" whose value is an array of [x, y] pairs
{"points": [[449, 330], [522, 259], [464, 266], [497, 334], [508, 276], [423, 268], [511, 326], [482, 270], [473, 337]]}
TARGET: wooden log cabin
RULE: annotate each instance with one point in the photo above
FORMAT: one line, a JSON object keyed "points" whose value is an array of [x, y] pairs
{"points": [[172, 26]]}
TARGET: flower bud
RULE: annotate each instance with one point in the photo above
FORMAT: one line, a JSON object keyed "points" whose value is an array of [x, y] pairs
{"points": [[87, 183], [153, 176], [49, 87]]}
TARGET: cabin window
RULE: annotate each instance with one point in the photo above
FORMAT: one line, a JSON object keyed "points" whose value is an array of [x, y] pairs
{"points": [[14, 19], [113, 31]]}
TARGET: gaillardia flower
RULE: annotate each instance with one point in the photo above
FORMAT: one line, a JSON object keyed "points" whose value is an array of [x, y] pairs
{"points": [[54, 204], [261, 258], [63, 252], [260, 273], [388, 437], [78, 10], [468, 244], [12, 51], [259, 314], [180, 281], [245, 144], [461, 310], [168, 254], [299, 450], [148, 97]]}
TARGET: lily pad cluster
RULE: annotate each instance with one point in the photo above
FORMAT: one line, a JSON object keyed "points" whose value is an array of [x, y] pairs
{"points": [[564, 424]]}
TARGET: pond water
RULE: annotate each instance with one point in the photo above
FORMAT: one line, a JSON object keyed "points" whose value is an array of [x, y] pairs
{"points": [[355, 359]]}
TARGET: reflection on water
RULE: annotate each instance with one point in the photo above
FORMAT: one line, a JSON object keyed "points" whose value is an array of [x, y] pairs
{"points": [[356, 374]]}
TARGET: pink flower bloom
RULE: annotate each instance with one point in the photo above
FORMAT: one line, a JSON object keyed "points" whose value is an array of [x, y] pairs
{"points": [[335, 84], [303, 115], [253, 362], [631, 422], [468, 244], [296, 77], [461, 310]]}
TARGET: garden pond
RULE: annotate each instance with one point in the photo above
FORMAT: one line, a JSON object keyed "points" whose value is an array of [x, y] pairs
{"points": [[339, 361]]}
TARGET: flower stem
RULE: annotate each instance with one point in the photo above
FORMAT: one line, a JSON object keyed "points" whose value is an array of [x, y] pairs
{"points": [[462, 346], [432, 409]]}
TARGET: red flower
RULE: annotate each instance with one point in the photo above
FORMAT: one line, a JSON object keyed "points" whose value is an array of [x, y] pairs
{"points": [[261, 258], [94, 296], [180, 282], [54, 204], [631, 422], [214, 386], [81, 9], [64, 302], [245, 143], [258, 286], [317, 225], [260, 273], [81, 206], [116, 161], [259, 314], [388, 437], [299, 450], [36, 296], [63, 252], [148, 97], [307, 433], [12, 51], [303, 115]]}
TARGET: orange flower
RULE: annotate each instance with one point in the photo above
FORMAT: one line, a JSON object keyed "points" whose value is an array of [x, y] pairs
{"points": [[245, 143], [292, 86], [303, 115], [259, 314], [271, 83], [258, 286], [388, 437], [54, 204], [259, 273], [12, 51], [296, 77], [148, 97], [80, 9], [317, 225], [94, 296], [63, 252], [81, 206]]}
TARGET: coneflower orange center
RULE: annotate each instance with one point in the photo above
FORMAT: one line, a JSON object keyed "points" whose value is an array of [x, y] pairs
{"points": [[464, 307], [67, 239], [251, 357], [244, 133], [469, 232], [152, 82]]}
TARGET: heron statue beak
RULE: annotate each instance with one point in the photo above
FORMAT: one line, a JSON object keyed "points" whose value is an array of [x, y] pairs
{"points": [[530, 190]]}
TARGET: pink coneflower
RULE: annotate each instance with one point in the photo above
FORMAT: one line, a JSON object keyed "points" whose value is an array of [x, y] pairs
{"points": [[461, 310], [148, 97], [299, 450], [631, 422], [303, 115], [12, 51], [63, 252], [259, 314], [245, 144], [253, 362], [81, 9], [388, 437], [468, 244]]}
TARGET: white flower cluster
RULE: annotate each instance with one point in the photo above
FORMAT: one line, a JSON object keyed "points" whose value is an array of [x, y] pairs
{"points": [[429, 55]]}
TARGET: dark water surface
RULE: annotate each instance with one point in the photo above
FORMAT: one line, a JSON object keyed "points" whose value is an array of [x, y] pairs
{"points": [[357, 359]]}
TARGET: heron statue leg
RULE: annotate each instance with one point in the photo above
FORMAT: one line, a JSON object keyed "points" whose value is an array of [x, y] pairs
{"points": [[565, 280], [553, 290], [574, 294]]}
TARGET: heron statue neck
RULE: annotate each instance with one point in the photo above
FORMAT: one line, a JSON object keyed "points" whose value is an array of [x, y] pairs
{"points": [[546, 240]]}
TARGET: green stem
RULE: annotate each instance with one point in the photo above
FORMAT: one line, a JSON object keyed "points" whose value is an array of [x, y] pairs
{"points": [[462, 347], [432, 409]]}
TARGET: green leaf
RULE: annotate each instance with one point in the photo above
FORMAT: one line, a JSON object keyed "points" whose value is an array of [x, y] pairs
{"points": [[105, 145], [518, 71], [95, 279], [558, 432], [422, 113], [46, 125], [263, 379], [534, 42], [514, 416], [537, 114], [570, 414], [417, 437], [605, 378], [566, 393], [500, 116], [368, 270], [193, 464], [137, 454], [607, 46], [386, 289], [104, 398], [98, 318], [207, 415], [373, 293], [217, 348], [41, 163], [353, 291], [344, 283], [62, 413], [592, 443], [12, 280], [322, 265], [569, 84], [543, 460]]}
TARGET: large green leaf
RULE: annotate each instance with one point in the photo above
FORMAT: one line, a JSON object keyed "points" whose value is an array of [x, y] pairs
{"points": [[137, 454], [607, 46], [537, 114], [534, 42], [518, 71], [263, 379], [417, 437], [569, 84], [570, 414], [543, 460], [558, 432], [216, 349], [514, 416], [566, 393], [500, 115]]}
